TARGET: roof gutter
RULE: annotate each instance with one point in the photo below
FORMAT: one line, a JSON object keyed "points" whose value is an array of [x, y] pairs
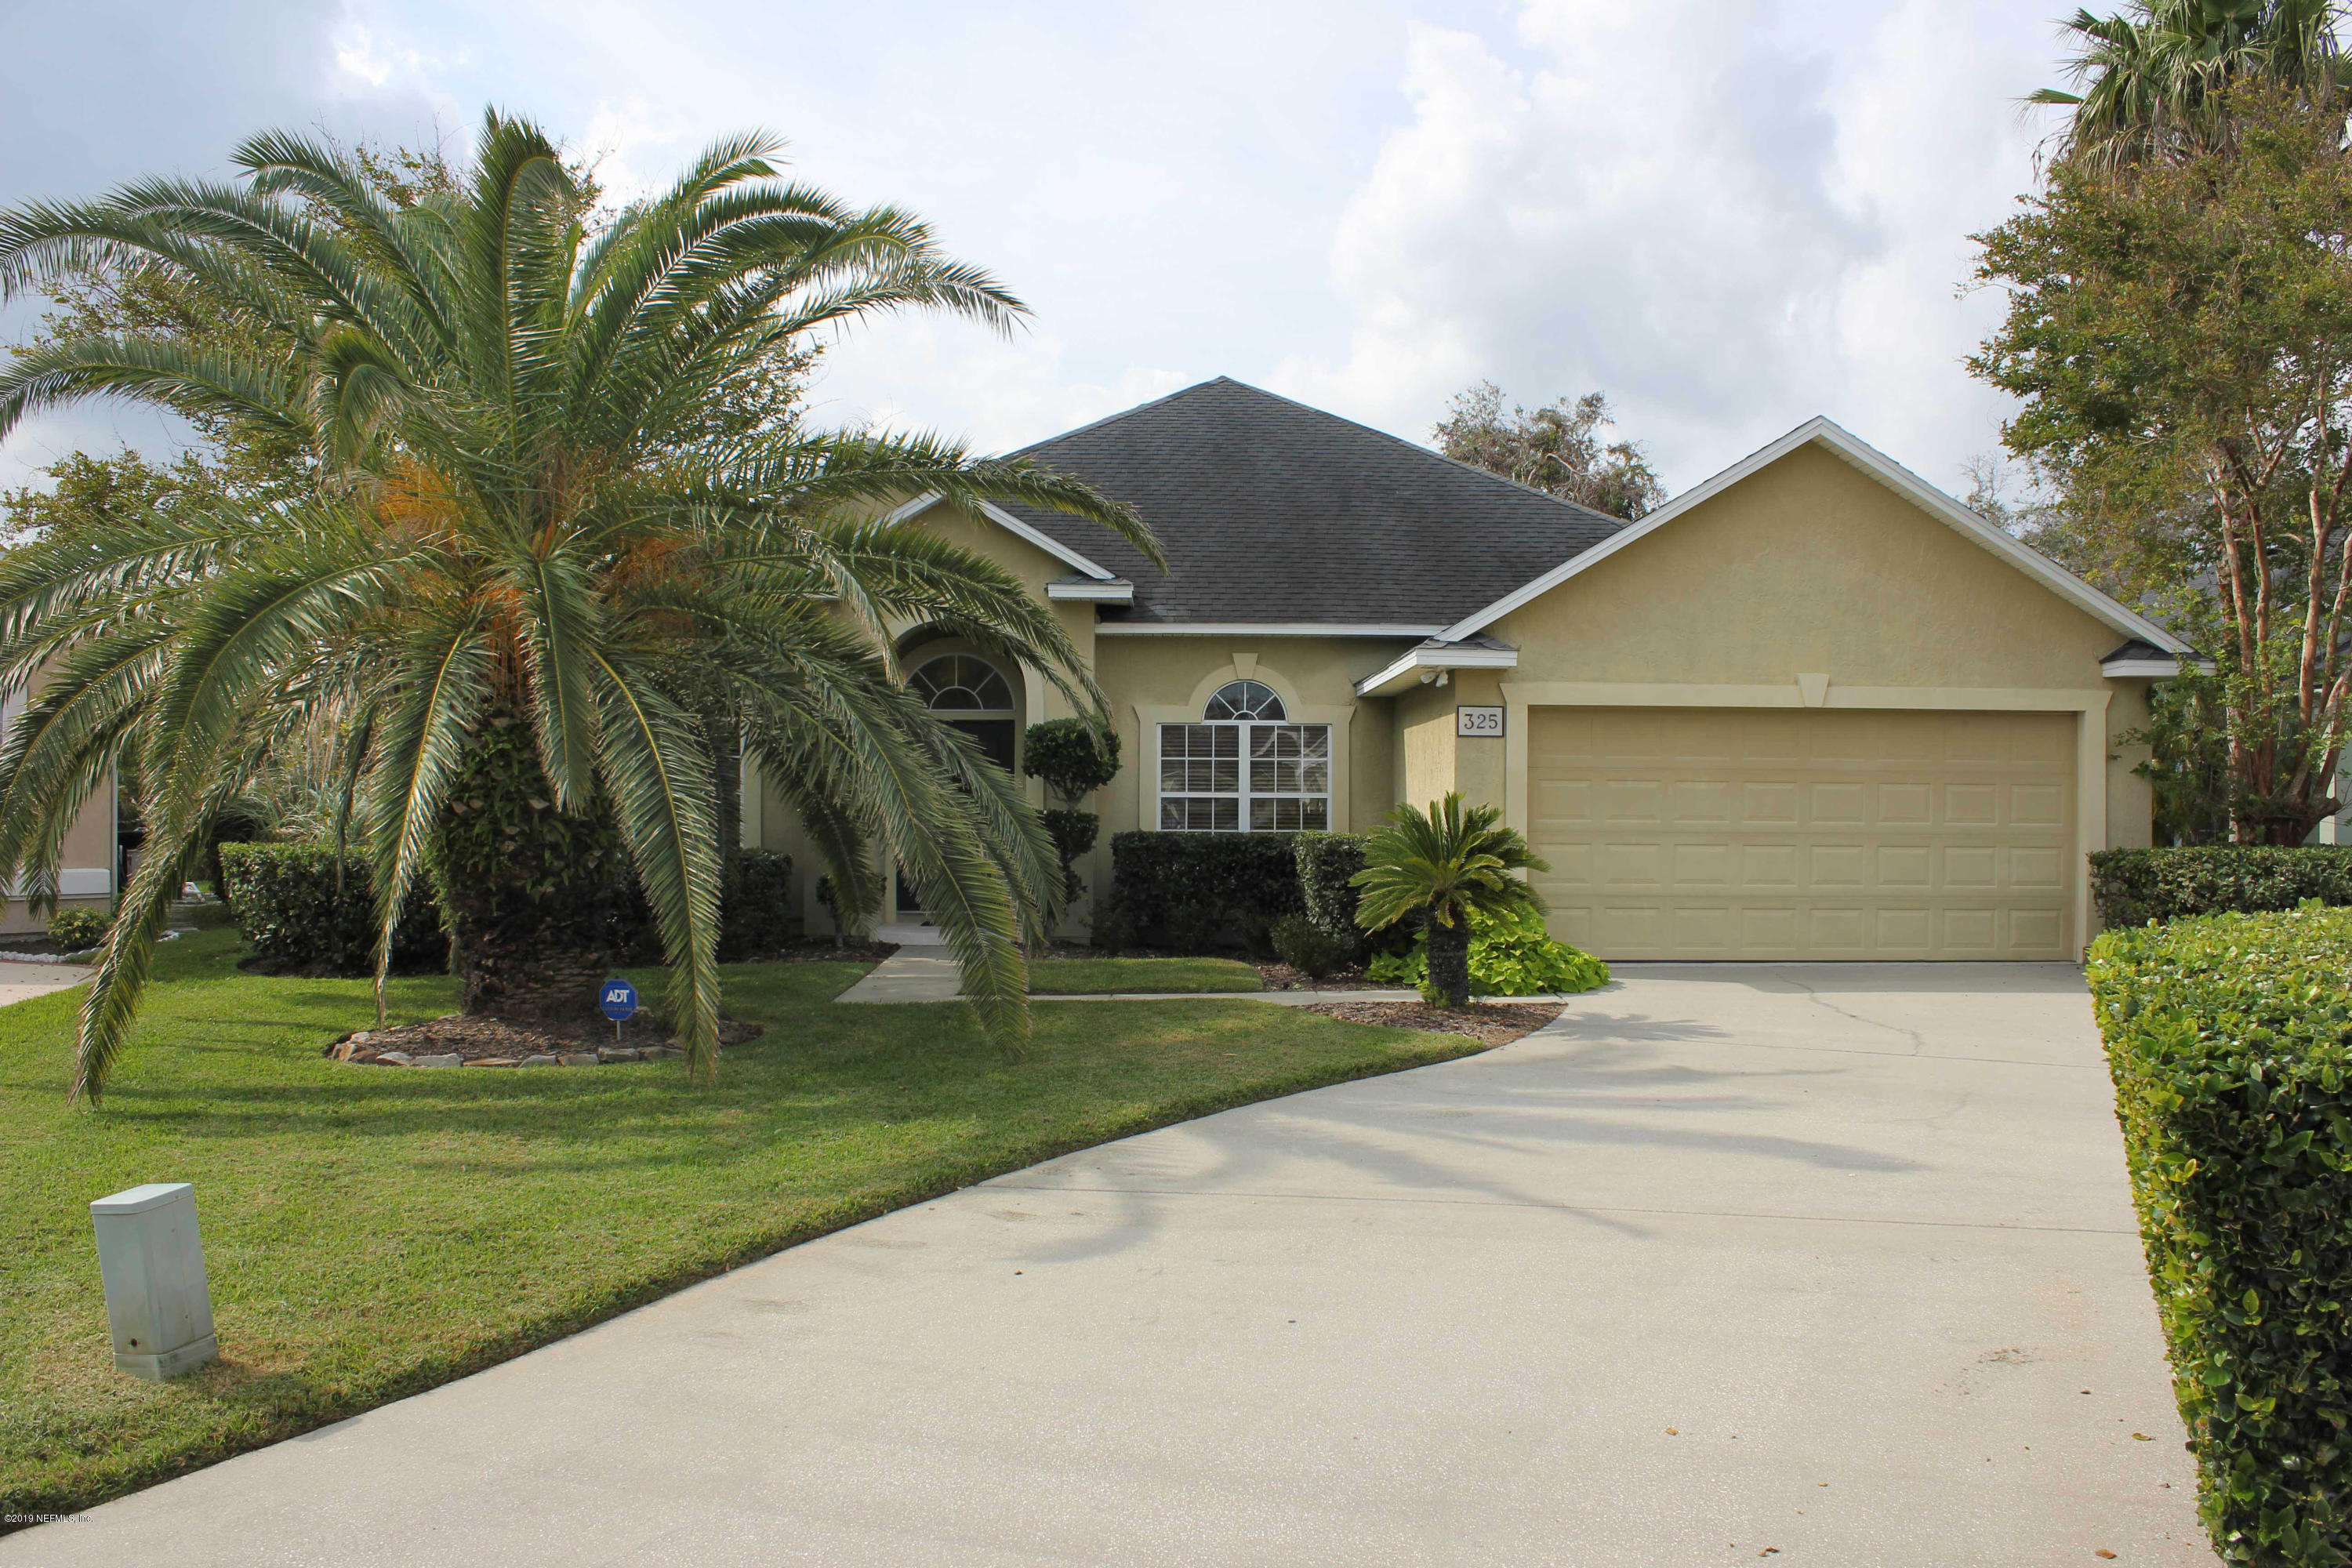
{"points": [[1421, 663]]}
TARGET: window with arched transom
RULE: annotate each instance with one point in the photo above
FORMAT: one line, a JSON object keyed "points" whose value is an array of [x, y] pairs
{"points": [[962, 683], [1245, 767]]}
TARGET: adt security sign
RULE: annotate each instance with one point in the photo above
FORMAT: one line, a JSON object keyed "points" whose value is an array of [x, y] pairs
{"points": [[619, 1001]]}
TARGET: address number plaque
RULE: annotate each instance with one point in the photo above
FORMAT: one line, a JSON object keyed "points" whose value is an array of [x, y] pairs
{"points": [[1483, 723]]}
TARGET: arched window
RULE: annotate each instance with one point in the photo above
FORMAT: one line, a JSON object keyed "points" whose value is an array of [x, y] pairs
{"points": [[1243, 768], [1246, 699], [962, 683]]}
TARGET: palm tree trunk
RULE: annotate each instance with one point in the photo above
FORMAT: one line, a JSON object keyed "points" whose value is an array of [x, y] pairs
{"points": [[1449, 962], [535, 900]]}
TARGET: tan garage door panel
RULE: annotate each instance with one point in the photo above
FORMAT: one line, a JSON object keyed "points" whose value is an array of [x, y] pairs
{"points": [[1805, 833]]}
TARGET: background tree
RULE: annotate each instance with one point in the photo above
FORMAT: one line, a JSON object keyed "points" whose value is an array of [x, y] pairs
{"points": [[1557, 449], [535, 549], [2182, 340], [1436, 868], [2156, 78]]}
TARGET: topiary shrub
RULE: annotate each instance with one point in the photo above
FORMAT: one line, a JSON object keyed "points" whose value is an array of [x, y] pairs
{"points": [[1072, 756], [1075, 759], [1198, 892], [2230, 1040], [2133, 887], [78, 929], [285, 898], [1510, 955], [1073, 833], [756, 915], [1306, 947]]}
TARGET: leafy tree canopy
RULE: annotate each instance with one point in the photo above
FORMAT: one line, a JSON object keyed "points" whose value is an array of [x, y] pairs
{"points": [[1559, 449], [2182, 343]]}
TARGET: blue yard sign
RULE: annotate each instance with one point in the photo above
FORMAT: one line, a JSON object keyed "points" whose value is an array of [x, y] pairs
{"points": [[619, 1001]]}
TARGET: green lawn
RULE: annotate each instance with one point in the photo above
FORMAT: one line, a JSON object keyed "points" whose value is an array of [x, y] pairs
{"points": [[1095, 976], [371, 1232]]}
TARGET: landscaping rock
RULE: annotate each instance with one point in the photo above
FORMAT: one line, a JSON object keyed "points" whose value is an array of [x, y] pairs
{"points": [[491, 1062], [659, 1053], [398, 1059], [578, 1058], [451, 1059], [618, 1053], [540, 1060], [344, 1050]]}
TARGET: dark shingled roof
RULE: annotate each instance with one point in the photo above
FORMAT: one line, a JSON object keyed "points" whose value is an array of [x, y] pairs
{"points": [[1271, 510]]}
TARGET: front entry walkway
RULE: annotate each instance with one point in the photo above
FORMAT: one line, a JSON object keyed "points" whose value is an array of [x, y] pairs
{"points": [[1807, 1264]]}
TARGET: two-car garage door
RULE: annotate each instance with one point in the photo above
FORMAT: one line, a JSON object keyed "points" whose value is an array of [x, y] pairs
{"points": [[1805, 833]]}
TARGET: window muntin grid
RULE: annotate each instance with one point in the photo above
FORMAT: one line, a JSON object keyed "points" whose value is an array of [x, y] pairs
{"points": [[960, 683], [1246, 699], [1258, 774]]}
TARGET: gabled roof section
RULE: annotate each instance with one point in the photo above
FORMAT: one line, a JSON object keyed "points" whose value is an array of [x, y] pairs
{"points": [[1861, 454], [1273, 512]]}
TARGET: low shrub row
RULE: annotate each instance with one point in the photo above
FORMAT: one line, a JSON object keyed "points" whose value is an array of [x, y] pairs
{"points": [[1510, 955], [2133, 887], [299, 917], [1198, 892], [757, 915], [2230, 1040], [1326, 862]]}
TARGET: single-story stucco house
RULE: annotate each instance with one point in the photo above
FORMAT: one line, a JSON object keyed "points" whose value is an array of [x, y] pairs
{"points": [[1812, 707]]}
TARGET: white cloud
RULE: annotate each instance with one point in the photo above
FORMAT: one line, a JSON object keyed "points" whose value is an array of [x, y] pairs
{"points": [[618, 138], [1728, 230], [1007, 392]]}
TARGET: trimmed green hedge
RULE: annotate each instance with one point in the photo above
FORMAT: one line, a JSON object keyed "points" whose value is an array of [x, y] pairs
{"points": [[1326, 862], [2133, 887], [2230, 1039], [1198, 892], [757, 915], [285, 899]]}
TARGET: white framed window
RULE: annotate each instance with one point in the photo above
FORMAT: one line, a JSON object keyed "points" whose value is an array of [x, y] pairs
{"points": [[1245, 767]]}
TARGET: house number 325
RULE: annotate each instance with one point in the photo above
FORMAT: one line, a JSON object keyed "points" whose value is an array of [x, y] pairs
{"points": [[1477, 720]]}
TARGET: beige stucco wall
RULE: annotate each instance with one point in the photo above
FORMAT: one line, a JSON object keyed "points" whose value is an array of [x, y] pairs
{"points": [[1812, 567], [1157, 678]]}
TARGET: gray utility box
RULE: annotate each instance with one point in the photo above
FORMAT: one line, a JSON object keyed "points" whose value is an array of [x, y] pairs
{"points": [[152, 1262]]}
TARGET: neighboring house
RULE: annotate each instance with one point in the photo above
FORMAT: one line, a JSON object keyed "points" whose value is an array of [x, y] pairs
{"points": [[1812, 707], [86, 876]]}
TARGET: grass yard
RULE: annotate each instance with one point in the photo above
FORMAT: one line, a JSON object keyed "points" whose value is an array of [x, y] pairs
{"points": [[1096, 976], [371, 1232]]}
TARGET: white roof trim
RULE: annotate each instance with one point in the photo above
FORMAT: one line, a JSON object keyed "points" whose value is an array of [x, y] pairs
{"points": [[1097, 592], [2152, 668], [1257, 629], [1013, 525], [1879, 466], [1420, 659]]}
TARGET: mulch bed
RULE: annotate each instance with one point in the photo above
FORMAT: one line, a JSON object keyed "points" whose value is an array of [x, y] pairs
{"points": [[513, 1041], [1278, 976], [1493, 1023], [820, 950]]}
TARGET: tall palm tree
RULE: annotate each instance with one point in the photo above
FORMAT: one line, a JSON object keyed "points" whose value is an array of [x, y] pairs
{"points": [[541, 568], [1441, 867], [2152, 79]]}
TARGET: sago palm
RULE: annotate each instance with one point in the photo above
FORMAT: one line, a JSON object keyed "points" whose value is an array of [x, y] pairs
{"points": [[543, 582], [1440, 866]]}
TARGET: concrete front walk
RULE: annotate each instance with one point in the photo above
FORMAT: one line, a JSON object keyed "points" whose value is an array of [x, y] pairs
{"points": [[921, 971], [22, 982], [1829, 1265]]}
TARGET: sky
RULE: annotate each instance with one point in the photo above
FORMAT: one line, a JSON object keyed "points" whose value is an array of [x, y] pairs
{"points": [[1728, 216]]}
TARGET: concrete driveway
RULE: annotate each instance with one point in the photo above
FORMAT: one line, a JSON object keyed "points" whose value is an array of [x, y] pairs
{"points": [[1828, 1265]]}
